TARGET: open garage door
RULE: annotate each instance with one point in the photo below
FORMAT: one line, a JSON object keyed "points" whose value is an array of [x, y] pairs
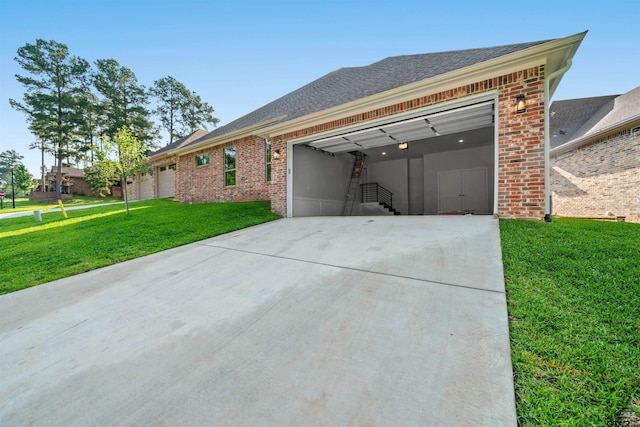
{"points": [[413, 159], [166, 181]]}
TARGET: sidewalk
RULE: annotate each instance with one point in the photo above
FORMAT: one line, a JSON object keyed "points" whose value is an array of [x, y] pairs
{"points": [[70, 208]]}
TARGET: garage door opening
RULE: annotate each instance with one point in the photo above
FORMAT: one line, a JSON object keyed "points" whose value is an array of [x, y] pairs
{"points": [[437, 163]]}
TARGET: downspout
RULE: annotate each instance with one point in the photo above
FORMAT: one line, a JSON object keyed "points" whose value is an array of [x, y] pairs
{"points": [[547, 141]]}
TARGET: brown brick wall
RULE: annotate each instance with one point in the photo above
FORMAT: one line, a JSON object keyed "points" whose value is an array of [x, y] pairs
{"points": [[80, 187], [598, 179], [278, 185], [521, 146], [197, 184]]}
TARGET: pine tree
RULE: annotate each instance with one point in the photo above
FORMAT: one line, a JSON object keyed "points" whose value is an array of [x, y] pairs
{"points": [[124, 102], [54, 85]]}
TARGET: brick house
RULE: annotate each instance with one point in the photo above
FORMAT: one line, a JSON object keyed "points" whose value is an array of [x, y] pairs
{"points": [[73, 183], [449, 132], [595, 157], [160, 181]]}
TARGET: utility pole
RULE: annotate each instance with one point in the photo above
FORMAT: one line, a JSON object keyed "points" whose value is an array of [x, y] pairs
{"points": [[13, 190], [10, 158]]}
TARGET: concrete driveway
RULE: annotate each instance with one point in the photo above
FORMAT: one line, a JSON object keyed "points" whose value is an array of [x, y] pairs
{"points": [[380, 321]]}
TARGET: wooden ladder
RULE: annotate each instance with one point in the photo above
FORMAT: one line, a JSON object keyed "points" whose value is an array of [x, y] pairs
{"points": [[354, 184]]}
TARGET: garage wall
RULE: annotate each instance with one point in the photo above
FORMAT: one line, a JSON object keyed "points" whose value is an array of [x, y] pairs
{"points": [[416, 188], [454, 160], [392, 175], [319, 182]]}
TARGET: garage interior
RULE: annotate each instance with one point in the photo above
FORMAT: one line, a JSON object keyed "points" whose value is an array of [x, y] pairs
{"points": [[440, 162]]}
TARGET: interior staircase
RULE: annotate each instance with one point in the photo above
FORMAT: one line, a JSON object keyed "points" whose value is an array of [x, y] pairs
{"points": [[354, 184], [375, 195]]}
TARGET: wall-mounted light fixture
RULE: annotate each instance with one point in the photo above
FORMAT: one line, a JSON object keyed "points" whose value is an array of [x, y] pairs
{"points": [[276, 154], [403, 145], [521, 104]]}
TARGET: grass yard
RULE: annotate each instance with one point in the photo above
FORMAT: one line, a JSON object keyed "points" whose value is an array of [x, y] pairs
{"points": [[34, 253], [573, 296], [24, 204]]}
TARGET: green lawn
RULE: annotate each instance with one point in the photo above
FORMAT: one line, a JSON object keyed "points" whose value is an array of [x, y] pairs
{"points": [[573, 295], [33, 253], [24, 204], [573, 292]]}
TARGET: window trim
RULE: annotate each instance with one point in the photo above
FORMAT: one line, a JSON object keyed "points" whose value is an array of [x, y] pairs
{"points": [[268, 161], [230, 170], [200, 158]]}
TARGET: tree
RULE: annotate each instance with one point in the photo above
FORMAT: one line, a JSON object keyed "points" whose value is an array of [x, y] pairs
{"points": [[24, 181], [9, 161], [124, 102], [42, 146], [180, 111], [172, 97], [54, 85], [101, 174], [126, 154], [90, 127], [197, 114]]}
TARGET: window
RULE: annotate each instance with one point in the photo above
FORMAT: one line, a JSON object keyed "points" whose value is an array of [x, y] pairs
{"points": [[230, 166], [202, 159], [163, 168], [172, 167], [268, 152]]}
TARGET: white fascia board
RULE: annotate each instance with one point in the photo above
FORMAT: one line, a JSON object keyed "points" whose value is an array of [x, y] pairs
{"points": [[523, 59], [585, 139], [227, 137]]}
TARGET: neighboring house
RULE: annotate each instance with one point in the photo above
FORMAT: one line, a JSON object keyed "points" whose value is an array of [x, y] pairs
{"points": [[595, 156], [73, 183], [160, 181], [449, 132]]}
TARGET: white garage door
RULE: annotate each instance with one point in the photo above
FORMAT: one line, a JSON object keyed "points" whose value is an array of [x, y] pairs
{"points": [[145, 188], [166, 180]]}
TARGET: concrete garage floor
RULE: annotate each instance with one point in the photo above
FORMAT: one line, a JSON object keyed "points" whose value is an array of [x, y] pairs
{"points": [[300, 322]]}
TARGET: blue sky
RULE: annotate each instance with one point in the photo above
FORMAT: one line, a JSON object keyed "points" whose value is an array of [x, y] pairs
{"points": [[239, 55]]}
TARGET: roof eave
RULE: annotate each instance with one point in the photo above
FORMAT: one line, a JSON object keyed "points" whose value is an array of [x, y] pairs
{"points": [[585, 139], [552, 54], [227, 137]]}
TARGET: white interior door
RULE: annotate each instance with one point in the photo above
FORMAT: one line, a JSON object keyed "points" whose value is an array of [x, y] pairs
{"points": [[474, 191], [463, 191], [449, 191]]}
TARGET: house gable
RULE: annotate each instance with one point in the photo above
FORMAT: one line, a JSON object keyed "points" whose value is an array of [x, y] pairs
{"points": [[403, 84], [596, 174]]}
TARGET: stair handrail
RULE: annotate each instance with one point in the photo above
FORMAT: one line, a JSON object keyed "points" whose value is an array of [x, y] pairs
{"points": [[374, 192]]}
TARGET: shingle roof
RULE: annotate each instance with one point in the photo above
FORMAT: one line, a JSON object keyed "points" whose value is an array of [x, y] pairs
{"points": [[624, 107], [586, 116], [349, 84], [568, 116], [68, 171], [181, 142]]}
